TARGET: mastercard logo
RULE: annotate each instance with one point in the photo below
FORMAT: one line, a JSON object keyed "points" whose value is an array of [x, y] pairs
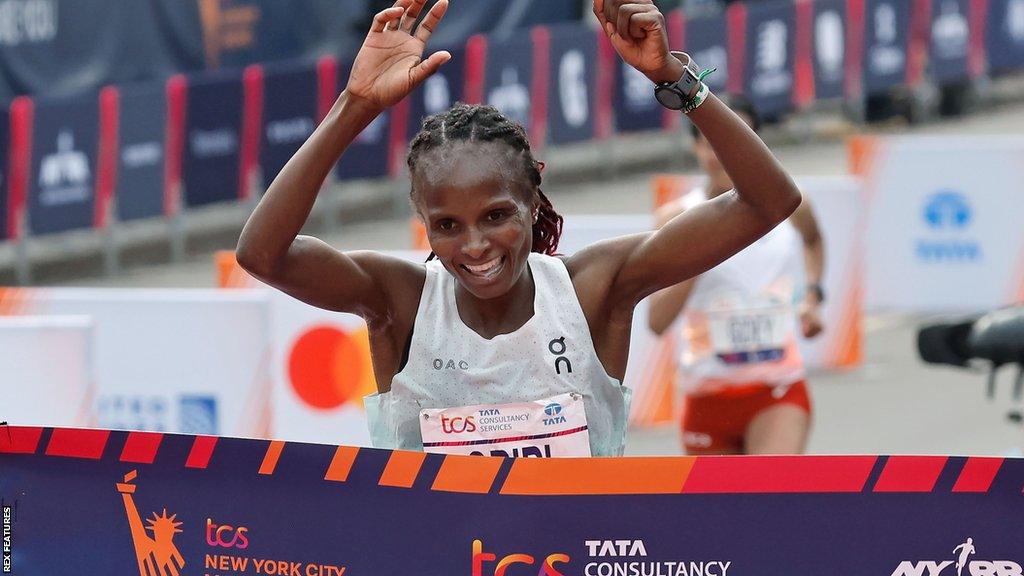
{"points": [[328, 367]]}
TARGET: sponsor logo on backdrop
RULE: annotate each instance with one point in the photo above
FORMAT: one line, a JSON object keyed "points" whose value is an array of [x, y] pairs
{"points": [[27, 22], [630, 557], [829, 44], [948, 216], [157, 554], [959, 564], [64, 175], [196, 414], [289, 131], [772, 76], [885, 57], [142, 154], [511, 97], [572, 88], [949, 31], [489, 564], [213, 143]]}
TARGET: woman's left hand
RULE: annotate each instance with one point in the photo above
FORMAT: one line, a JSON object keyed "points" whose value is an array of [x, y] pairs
{"points": [[810, 320], [637, 31]]}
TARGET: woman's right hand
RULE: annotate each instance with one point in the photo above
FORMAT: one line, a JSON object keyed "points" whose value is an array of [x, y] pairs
{"points": [[390, 63]]}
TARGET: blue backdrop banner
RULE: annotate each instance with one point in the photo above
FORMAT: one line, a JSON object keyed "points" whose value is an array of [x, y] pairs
{"points": [[63, 176], [770, 55], [213, 121], [5, 171], [368, 156], [634, 105], [508, 77], [950, 37], [828, 49], [439, 91], [1004, 35], [572, 89], [141, 152], [886, 32], [707, 43], [80, 501], [289, 114]]}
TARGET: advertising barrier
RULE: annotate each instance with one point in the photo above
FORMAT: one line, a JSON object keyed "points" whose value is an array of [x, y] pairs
{"points": [[769, 56], [369, 156], [1004, 35], [168, 360], [213, 132], [170, 504], [571, 101], [142, 130], [944, 230], [62, 180], [886, 44], [950, 40], [509, 78], [290, 113], [47, 371], [828, 39]]}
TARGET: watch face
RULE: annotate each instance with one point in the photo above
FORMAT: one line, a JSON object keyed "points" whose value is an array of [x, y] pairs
{"points": [[669, 98]]}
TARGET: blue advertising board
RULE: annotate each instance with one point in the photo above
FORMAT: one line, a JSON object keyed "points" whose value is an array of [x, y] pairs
{"points": [[142, 131], [707, 43], [634, 105], [439, 92], [1004, 35], [508, 77], [369, 156], [5, 171], [828, 48], [886, 34], [770, 56], [62, 179], [173, 504], [950, 40], [290, 114], [213, 126], [572, 91]]}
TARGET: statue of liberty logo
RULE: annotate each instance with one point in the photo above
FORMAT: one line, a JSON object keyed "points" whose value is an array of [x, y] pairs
{"points": [[156, 555]]}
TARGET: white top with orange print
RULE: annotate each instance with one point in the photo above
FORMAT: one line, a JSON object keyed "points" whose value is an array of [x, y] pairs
{"points": [[739, 326]]}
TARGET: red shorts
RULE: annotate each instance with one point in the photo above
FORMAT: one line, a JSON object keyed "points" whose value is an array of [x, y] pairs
{"points": [[717, 422]]}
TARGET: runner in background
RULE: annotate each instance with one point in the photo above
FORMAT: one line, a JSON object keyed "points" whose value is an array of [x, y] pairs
{"points": [[740, 369], [498, 341]]}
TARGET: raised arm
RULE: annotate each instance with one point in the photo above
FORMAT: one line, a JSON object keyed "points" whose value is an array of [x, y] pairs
{"points": [[708, 234], [388, 66]]}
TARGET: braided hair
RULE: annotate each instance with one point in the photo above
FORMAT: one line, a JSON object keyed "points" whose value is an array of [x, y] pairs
{"points": [[480, 123]]}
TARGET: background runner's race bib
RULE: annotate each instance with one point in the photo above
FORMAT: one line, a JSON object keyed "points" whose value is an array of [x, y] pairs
{"points": [[554, 427], [751, 335]]}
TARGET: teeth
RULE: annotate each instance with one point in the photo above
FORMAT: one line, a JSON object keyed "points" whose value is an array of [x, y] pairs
{"points": [[483, 268]]}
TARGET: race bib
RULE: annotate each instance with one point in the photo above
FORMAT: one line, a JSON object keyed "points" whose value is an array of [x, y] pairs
{"points": [[748, 336], [550, 428]]}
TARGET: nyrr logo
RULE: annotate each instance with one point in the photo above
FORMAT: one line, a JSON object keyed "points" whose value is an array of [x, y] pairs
{"points": [[553, 411], [481, 560], [961, 566], [156, 555]]}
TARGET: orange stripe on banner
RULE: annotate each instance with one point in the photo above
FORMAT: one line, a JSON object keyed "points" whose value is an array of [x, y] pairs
{"points": [[13, 301], [537, 476], [272, 456], [467, 474], [77, 443], [862, 150], [402, 469], [341, 464]]}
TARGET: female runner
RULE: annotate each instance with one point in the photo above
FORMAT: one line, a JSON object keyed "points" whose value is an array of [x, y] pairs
{"points": [[498, 340]]}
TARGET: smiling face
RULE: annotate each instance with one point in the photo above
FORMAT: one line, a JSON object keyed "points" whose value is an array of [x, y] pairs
{"points": [[479, 212]]}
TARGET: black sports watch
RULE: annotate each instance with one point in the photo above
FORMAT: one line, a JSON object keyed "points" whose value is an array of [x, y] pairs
{"points": [[676, 95]]}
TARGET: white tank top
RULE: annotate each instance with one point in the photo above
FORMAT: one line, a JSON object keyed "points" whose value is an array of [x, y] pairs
{"points": [[739, 324], [450, 365]]}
